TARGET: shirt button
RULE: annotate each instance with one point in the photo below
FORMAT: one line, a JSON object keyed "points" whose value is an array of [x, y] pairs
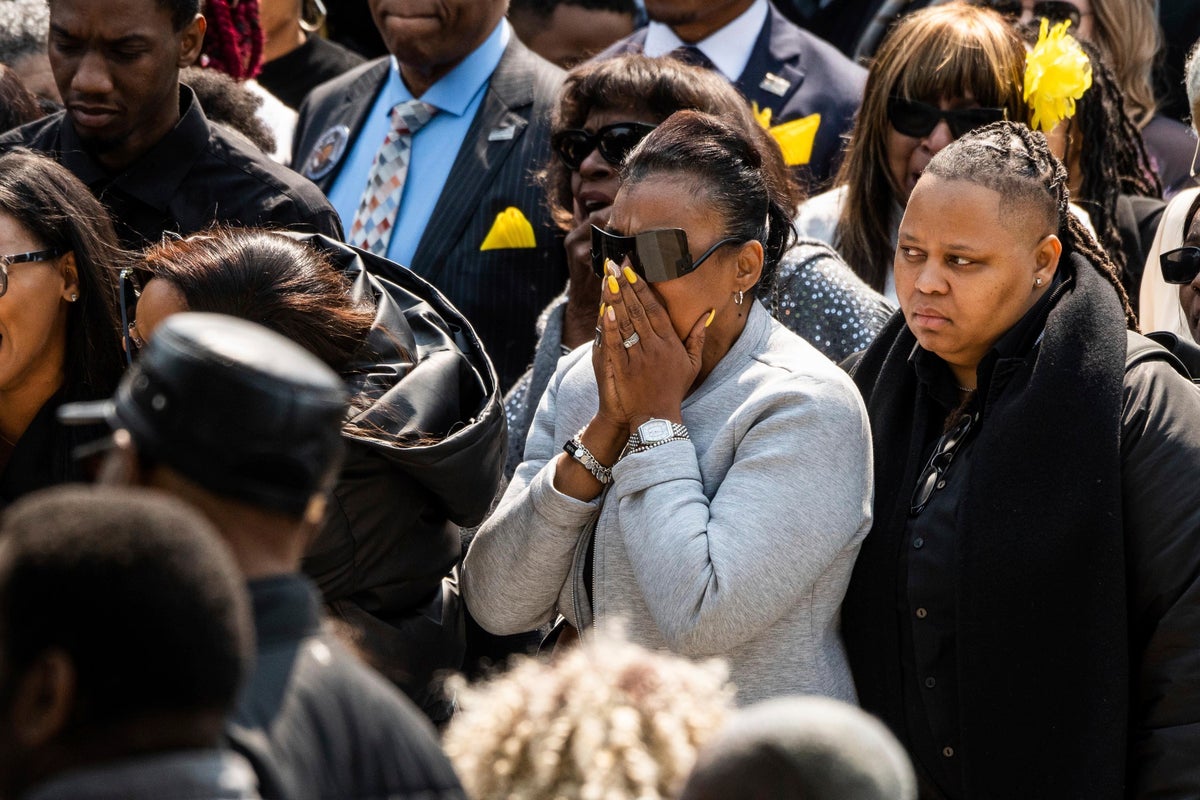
{"points": [[930, 683], [941, 485], [922, 613], [948, 752], [918, 542]]}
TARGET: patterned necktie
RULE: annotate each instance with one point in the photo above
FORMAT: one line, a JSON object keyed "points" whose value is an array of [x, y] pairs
{"points": [[376, 215]]}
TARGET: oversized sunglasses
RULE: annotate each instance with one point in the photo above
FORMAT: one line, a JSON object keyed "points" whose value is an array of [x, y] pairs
{"points": [[657, 256], [24, 258], [1180, 266], [614, 141], [1054, 10], [128, 296], [943, 453], [917, 119]]}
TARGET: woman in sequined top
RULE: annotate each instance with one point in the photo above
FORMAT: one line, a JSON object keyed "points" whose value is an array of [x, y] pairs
{"points": [[604, 109]]}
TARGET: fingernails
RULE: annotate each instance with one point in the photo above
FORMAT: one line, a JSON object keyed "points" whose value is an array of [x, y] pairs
{"points": [[630, 276], [602, 307], [612, 317], [612, 285], [611, 266], [711, 315]]}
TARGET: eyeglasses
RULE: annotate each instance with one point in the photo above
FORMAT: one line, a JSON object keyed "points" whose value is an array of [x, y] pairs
{"points": [[657, 256], [1054, 10], [943, 453], [615, 141], [129, 293], [917, 119], [22, 258], [1180, 266]]}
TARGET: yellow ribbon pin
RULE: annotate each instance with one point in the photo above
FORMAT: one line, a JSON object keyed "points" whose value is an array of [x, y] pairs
{"points": [[795, 138], [510, 231]]}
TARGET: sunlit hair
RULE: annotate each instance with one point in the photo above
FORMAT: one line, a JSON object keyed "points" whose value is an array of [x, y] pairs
{"points": [[1017, 163], [738, 169], [606, 719], [942, 52], [47, 200], [1192, 82], [17, 105], [633, 84], [1128, 35]]}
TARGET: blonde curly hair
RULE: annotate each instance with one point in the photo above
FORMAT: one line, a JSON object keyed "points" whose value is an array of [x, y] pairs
{"points": [[606, 720]]}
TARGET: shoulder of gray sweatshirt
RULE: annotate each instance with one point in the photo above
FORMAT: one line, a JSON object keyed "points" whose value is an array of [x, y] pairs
{"points": [[736, 543]]}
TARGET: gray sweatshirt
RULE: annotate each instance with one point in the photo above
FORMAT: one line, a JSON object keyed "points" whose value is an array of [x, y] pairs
{"points": [[738, 543]]}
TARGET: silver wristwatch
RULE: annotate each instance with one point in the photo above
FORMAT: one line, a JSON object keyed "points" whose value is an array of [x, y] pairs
{"points": [[654, 432], [575, 449]]}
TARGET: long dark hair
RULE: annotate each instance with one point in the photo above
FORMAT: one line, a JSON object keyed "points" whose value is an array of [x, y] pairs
{"points": [[53, 205], [268, 278], [739, 168]]}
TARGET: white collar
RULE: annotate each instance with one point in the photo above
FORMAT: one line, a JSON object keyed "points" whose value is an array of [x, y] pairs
{"points": [[728, 48]]}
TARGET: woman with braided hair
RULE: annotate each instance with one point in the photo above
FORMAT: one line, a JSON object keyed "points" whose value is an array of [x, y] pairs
{"points": [[1024, 611]]}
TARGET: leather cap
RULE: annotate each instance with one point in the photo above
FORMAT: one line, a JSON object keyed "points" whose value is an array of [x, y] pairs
{"points": [[232, 406]]}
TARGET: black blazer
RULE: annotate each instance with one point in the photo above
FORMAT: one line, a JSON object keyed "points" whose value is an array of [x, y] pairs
{"points": [[501, 292], [816, 78]]}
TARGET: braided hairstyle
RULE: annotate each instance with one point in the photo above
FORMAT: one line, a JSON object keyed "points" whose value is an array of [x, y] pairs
{"points": [[234, 41], [1009, 158]]}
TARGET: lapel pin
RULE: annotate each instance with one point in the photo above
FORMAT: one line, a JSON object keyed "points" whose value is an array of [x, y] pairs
{"points": [[326, 153], [775, 84], [502, 134]]}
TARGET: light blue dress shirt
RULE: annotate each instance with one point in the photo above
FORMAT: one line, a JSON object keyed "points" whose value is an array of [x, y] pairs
{"points": [[435, 147]]}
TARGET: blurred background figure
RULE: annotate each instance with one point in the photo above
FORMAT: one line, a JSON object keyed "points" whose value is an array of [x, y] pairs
{"points": [[23, 40], [60, 331], [230, 103], [566, 32], [604, 719], [127, 637], [802, 748], [296, 56], [17, 105]]}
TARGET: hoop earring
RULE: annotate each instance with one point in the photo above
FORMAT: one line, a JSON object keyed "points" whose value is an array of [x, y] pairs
{"points": [[312, 17], [738, 297]]}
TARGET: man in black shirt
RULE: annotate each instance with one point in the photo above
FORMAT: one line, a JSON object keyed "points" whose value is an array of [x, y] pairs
{"points": [[139, 139]]}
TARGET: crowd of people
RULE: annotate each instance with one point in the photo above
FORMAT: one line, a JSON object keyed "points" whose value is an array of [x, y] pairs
{"points": [[621, 399]]}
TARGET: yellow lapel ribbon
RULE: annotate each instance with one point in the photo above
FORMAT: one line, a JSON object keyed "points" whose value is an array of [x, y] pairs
{"points": [[511, 230]]}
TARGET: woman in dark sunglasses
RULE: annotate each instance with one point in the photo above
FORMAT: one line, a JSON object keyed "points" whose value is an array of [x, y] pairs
{"points": [[1024, 611], [698, 477], [605, 108], [942, 71], [60, 336]]}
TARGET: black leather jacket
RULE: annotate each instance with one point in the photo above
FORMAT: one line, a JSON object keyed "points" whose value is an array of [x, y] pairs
{"points": [[426, 440]]}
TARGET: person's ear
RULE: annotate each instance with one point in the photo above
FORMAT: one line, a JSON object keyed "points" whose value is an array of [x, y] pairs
{"points": [[70, 273], [1047, 255], [191, 41], [749, 265], [44, 699]]}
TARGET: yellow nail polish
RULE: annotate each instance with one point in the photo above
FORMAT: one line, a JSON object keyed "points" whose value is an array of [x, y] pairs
{"points": [[612, 285], [630, 276], [602, 307], [711, 315]]}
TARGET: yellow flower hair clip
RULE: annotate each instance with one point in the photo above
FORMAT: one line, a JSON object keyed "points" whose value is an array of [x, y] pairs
{"points": [[1057, 73]]}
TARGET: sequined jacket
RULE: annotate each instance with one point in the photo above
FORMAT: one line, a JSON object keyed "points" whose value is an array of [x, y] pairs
{"points": [[814, 294]]}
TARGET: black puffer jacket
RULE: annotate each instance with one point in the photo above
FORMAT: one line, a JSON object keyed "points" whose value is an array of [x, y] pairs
{"points": [[426, 442]]}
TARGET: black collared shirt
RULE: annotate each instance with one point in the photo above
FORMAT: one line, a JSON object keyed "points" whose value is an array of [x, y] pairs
{"points": [[196, 175], [926, 595]]}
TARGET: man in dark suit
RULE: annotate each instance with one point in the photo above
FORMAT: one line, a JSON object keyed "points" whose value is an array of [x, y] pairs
{"points": [[469, 215], [774, 63]]}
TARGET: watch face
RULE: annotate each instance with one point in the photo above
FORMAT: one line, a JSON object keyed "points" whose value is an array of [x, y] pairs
{"points": [[655, 430]]}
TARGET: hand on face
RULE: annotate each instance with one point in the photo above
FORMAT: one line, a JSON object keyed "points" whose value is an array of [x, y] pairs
{"points": [[650, 377]]}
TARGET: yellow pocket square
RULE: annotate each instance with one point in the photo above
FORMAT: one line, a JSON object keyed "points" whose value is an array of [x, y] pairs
{"points": [[795, 138], [510, 230]]}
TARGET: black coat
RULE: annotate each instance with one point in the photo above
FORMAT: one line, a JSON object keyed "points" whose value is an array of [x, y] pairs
{"points": [[1078, 561], [426, 441]]}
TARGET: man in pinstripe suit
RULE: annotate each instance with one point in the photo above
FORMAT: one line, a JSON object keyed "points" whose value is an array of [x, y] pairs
{"points": [[471, 163]]}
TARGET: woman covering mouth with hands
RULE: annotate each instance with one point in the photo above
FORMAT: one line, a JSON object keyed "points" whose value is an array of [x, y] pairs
{"points": [[698, 473]]}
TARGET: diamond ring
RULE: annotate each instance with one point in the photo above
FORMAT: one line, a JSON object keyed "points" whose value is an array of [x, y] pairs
{"points": [[632, 340]]}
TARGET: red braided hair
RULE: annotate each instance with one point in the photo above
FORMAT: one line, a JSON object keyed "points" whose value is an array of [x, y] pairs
{"points": [[234, 42]]}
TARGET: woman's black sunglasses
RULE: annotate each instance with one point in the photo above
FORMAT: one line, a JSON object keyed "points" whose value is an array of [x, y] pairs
{"points": [[615, 141], [917, 119], [1054, 10], [657, 256], [1180, 266]]}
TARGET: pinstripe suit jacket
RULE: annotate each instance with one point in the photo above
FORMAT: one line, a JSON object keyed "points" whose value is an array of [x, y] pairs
{"points": [[501, 292], [794, 74]]}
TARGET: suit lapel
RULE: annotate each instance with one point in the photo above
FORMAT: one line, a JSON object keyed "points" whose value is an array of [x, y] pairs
{"points": [[350, 113], [497, 128], [776, 67]]}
